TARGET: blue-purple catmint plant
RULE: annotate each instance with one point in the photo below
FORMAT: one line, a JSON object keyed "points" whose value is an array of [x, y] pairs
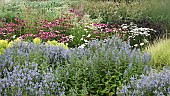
{"points": [[43, 55], [153, 84], [105, 65], [28, 80], [30, 69]]}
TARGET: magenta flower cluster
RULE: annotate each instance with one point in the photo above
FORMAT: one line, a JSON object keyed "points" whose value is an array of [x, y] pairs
{"points": [[10, 29], [51, 30], [44, 29]]}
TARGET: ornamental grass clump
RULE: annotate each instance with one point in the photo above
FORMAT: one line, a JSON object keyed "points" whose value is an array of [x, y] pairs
{"points": [[102, 67], [160, 53], [154, 84]]}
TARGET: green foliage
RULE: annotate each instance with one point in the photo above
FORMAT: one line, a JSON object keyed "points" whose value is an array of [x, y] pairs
{"points": [[99, 68], [127, 1], [158, 10], [31, 11], [160, 53], [78, 33], [112, 12]]}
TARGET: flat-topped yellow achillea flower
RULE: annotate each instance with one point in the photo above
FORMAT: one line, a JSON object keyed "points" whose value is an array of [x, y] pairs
{"points": [[37, 40], [55, 43], [3, 45], [52, 43]]}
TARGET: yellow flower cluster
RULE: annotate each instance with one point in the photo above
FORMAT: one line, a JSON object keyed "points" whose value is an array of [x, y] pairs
{"points": [[55, 43], [3, 45], [52, 43]]}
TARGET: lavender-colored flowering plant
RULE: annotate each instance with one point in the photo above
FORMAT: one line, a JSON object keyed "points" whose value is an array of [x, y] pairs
{"points": [[27, 80], [154, 84], [31, 69]]}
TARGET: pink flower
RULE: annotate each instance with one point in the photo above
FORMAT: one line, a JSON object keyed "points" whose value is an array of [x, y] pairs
{"points": [[71, 10], [16, 19], [109, 30], [100, 25], [3, 19]]}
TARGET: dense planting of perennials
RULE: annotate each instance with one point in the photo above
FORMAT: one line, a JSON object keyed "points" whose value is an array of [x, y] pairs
{"points": [[40, 69]]}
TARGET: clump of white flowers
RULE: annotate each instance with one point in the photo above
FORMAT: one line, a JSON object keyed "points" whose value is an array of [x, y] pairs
{"points": [[138, 37], [84, 40]]}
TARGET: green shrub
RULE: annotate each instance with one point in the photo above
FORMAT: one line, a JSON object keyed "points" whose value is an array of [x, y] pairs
{"points": [[157, 14], [158, 10], [160, 53]]}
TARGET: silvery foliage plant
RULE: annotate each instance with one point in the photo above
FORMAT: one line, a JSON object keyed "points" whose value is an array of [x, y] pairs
{"points": [[154, 84], [138, 37]]}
